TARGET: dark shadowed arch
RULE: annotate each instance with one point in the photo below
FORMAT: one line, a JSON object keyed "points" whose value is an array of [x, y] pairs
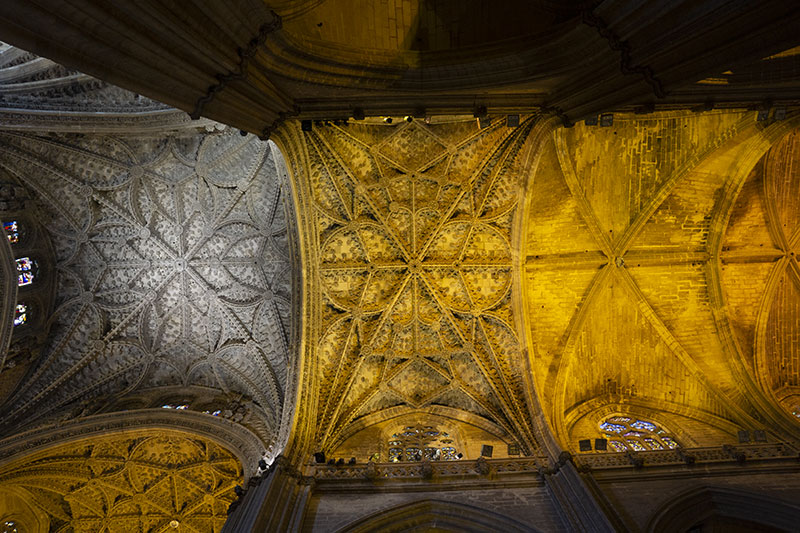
{"points": [[754, 512], [436, 515]]}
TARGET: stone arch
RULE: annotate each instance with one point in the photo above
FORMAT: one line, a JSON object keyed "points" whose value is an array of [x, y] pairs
{"points": [[441, 515], [16, 506], [152, 477], [368, 436], [702, 504], [245, 445], [683, 423]]}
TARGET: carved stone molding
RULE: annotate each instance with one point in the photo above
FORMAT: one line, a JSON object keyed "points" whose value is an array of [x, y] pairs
{"points": [[37, 94], [717, 454]]}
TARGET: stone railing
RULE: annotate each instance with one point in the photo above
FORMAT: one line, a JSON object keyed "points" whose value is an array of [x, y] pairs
{"points": [[531, 465], [425, 469], [717, 454]]}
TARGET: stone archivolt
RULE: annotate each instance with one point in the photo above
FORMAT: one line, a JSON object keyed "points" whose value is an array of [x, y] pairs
{"points": [[122, 483], [414, 263], [174, 269]]}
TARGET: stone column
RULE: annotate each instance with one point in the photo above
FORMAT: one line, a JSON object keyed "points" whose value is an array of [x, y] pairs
{"points": [[274, 502], [581, 508]]}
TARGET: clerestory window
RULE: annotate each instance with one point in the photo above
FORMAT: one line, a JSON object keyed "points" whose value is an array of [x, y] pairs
{"points": [[415, 443], [27, 269], [628, 433], [12, 231]]}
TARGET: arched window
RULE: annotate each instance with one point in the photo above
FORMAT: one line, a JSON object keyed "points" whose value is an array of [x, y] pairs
{"points": [[415, 443], [27, 269], [21, 314], [12, 231], [627, 433], [796, 411]]}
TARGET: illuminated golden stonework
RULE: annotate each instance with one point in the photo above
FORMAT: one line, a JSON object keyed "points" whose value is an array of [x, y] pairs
{"points": [[760, 273], [153, 480], [415, 265]]}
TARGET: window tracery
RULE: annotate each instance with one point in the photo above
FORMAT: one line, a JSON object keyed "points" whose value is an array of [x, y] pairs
{"points": [[20, 314], [628, 433], [415, 443], [12, 231], [27, 269]]}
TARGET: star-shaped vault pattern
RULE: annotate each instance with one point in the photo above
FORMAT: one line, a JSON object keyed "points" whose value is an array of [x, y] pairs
{"points": [[155, 481], [415, 267], [174, 268]]}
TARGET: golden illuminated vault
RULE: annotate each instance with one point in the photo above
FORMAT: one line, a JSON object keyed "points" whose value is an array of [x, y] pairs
{"points": [[151, 480], [414, 258]]}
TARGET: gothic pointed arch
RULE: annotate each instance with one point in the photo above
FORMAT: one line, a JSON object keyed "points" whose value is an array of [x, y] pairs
{"points": [[439, 515], [731, 509]]}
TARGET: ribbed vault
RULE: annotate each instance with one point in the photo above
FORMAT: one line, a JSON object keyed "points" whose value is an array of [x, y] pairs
{"points": [[39, 94], [411, 255], [620, 282], [174, 269], [760, 273], [151, 481]]}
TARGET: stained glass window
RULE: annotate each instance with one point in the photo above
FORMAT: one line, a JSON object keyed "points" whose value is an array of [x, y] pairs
{"points": [[796, 411], [415, 443], [20, 314], [626, 433], [9, 526], [12, 231], [179, 407], [26, 271]]}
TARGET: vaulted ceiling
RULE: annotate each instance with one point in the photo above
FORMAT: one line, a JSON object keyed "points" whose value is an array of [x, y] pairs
{"points": [[255, 63], [411, 271], [174, 269], [760, 275], [152, 481], [486, 274], [633, 272], [526, 279], [413, 232]]}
